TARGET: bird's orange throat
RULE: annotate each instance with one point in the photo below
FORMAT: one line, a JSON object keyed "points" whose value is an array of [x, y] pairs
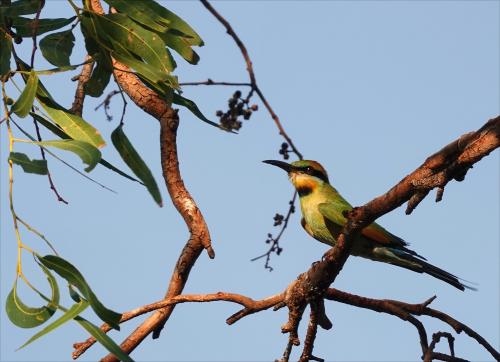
{"points": [[304, 184]]}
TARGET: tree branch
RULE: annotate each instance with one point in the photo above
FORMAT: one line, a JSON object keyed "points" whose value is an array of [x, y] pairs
{"points": [[77, 106], [151, 103], [452, 162]]}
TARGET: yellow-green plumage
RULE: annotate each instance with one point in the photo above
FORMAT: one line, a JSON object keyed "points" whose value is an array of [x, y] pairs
{"points": [[322, 217]]}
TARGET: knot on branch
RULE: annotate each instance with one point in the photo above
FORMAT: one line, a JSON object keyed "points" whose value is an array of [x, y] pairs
{"points": [[170, 119]]}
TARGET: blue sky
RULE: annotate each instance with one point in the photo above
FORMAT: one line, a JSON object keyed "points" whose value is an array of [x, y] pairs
{"points": [[369, 89]]}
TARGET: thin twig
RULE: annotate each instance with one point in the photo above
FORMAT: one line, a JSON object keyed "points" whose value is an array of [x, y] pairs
{"points": [[253, 82], [251, 306], [275, 246], [34, 31], [49, 176], [211, 82]]}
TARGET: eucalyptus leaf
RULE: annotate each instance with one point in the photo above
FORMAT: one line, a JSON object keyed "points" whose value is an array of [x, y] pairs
{"points": [[74, 277], [152, 14], [29, 317], [113, 29], [99, 78], [181, 46], [74, 126], [89, 154], [189, 104], [57, 47], [20, 7], [24, 26], [134, 161], [59, 132], [5, 53], [70, 314], [38, 167], [24, 103], [104, 339]]}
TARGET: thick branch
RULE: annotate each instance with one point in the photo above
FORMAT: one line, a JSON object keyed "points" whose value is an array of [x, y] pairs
{"points": [[452, 162], [199, 239]]}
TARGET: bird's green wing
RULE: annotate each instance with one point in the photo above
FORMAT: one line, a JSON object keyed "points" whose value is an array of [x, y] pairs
{"points": [[333, 211]]}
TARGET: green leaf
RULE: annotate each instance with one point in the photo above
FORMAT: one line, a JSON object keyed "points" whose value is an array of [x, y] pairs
{"points": [[38, 167], [104, 339], [57, 47], [59, 132], [181, 46], [74, 294], [118, 171], [74, 126], [70, 314], [189, 104], [142, 12], [99, 79], [74, 277], [24, 26], [135, 162], [155, 16], [118, 29], [20, 7], [24, 103], [5, 53], [89, 154], [28, 317]]}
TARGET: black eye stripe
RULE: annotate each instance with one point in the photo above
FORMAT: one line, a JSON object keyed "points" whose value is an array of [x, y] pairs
{"points": [[313, 172]]}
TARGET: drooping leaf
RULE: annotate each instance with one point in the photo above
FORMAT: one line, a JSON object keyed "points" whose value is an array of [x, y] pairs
{"points": [[5, 53], [57, 47], [100, 77], [28, 317], [59, 132], [134, 161], [189, 104], [181, 46], [89, 154], [24, 26], [74, 126], [74, 277], [104, 339], [113, 29], [155, 16], [20, 7], [70, 314], [24, 103], [74, 294], [142, 12], [38, 167], [118, 171]]}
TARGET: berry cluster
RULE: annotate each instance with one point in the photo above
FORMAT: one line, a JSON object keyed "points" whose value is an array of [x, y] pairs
{"points": [[285, 151], [278, 219], [237, 107], [275, 248]]}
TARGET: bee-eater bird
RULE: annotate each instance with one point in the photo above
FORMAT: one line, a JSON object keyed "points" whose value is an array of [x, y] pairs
{"points": [[322, 218]]}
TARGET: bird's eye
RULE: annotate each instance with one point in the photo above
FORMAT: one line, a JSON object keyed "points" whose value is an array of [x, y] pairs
{"points": [[309, 169]]}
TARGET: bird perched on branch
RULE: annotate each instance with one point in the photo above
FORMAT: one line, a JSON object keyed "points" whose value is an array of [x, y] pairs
{"points": [[323, 218]]}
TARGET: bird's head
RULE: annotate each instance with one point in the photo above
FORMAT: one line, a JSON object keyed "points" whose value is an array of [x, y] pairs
{"points": [[305, 175]]}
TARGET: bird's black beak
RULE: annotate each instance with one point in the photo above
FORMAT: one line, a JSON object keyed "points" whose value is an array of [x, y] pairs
{"points": [[283, 165]]}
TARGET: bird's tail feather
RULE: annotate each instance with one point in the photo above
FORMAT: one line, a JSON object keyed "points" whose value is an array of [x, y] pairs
{"points": [[416, 264]]}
